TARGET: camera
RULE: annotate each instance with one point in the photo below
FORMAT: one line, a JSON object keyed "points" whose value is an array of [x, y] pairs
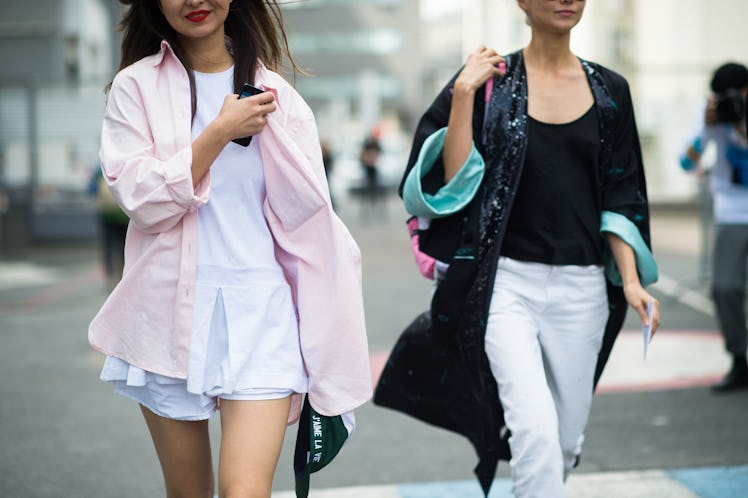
{"points": [[730, 106]]}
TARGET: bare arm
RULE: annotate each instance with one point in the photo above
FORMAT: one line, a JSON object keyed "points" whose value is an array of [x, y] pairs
{"points": [[458, 142], [636, 296]]}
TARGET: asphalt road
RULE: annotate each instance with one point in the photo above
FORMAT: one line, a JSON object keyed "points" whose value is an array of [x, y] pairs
{"points": [[64, 434]]}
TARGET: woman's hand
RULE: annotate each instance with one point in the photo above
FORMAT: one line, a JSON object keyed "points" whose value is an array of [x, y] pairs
{"points": [[238, 118], [245, 117], [638, 298], [482, 64]]}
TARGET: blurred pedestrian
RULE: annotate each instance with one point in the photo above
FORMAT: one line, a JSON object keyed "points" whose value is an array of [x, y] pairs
{"points": [[240, 283], [368, 158], [529, 169], [113, 227], [328, 161], [725, 127]]}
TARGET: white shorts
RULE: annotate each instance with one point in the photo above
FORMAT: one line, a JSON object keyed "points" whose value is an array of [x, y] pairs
{"points": [[168, 397]]}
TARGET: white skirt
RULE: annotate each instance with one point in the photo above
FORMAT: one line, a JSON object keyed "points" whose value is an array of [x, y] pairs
{"points": [[244, 345]]}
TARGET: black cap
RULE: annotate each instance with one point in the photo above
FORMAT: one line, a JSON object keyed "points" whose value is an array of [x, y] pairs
{"points": [[730, 75]]}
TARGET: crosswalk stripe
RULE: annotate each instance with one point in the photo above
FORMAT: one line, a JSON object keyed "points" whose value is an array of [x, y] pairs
{"points": [[714, 482], [347, 492], [710, 482], [17, 275], [688, 297]]}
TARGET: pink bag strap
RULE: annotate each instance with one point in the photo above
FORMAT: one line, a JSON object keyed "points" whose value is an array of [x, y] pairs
{"points": [[489, 82]]}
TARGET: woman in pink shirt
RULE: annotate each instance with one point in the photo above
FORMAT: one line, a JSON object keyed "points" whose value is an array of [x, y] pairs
{"points": [[240, 283]]}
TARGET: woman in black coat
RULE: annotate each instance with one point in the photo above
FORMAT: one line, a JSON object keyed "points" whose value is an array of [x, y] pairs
{"points": [[527, 171]]}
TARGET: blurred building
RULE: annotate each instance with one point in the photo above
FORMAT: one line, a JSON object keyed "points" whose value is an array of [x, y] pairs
{"points": [[364, 65], [667, 49], [373, 64], [57, 56], [362, 56], [55, 40]]}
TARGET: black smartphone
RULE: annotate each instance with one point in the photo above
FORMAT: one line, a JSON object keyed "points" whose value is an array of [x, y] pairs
{"points": [[247, 91]]}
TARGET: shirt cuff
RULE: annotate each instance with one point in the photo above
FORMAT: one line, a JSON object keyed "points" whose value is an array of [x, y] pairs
{"points": [[178, 178], [646, 266], [453, 196]]}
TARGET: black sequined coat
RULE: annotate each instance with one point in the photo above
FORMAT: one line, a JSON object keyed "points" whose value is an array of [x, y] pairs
{"points": [[438, 371]]}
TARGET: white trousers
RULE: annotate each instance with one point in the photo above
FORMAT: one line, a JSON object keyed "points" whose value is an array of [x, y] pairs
{"points": [[545, 330]]}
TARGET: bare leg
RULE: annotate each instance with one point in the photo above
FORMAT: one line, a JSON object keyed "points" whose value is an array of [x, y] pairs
{"points": [[251, 439], [183, 448]]}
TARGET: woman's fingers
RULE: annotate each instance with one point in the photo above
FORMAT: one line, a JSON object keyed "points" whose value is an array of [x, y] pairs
{"points": [[264, 98], [641, 310], [261, 104], [247, 116], [498, 63], [268, 108], [656, 317], [639, 300], [486, 62]]}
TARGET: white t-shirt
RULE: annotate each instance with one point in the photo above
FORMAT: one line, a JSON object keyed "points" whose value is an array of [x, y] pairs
{"points": [[245, 331]]}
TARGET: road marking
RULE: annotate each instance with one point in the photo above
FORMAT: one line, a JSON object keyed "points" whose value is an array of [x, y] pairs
{"points": [[63, 289], [688, 297], [710, 482], [21, 274], [714, 482], [53, 284], [348, 492], [677, 359]]}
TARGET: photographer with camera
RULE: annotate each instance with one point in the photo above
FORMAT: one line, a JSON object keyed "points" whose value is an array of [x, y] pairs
{"points": [[725, 126]]}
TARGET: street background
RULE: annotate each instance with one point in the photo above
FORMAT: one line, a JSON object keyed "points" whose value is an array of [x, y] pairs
{"points": [[372, 68], [65, 434]]}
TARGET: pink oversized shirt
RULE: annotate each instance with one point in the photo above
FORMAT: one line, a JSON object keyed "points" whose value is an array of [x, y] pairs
{"points": [[146, 156]]}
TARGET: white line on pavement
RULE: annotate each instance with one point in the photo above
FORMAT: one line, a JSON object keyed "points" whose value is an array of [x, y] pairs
{"points": [[14, 275], [629, 484], [348, 492], [688, 297]]}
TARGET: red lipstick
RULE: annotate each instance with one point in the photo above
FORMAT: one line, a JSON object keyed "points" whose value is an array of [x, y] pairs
{"points": [[197, 16]]}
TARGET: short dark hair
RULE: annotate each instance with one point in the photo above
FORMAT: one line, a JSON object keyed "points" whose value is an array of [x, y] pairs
{"points": [[729, 75]]}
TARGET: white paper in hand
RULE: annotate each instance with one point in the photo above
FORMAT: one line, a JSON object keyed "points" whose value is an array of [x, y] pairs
{"points": [[647, 329]]}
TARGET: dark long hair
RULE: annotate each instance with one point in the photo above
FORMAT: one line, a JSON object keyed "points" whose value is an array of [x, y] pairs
{"points": [[255, 27]]}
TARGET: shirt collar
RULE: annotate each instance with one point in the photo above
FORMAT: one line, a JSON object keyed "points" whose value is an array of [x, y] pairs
{"points": [[164, 48], [261, 77]]}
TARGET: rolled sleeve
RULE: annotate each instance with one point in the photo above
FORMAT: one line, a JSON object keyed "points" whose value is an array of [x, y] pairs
{"points": [[153, 190], [646, 266], [177, 175], [454, 195]]}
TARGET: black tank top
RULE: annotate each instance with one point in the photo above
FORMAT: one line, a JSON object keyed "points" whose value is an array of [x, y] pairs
{"points": [[555, 218]]}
